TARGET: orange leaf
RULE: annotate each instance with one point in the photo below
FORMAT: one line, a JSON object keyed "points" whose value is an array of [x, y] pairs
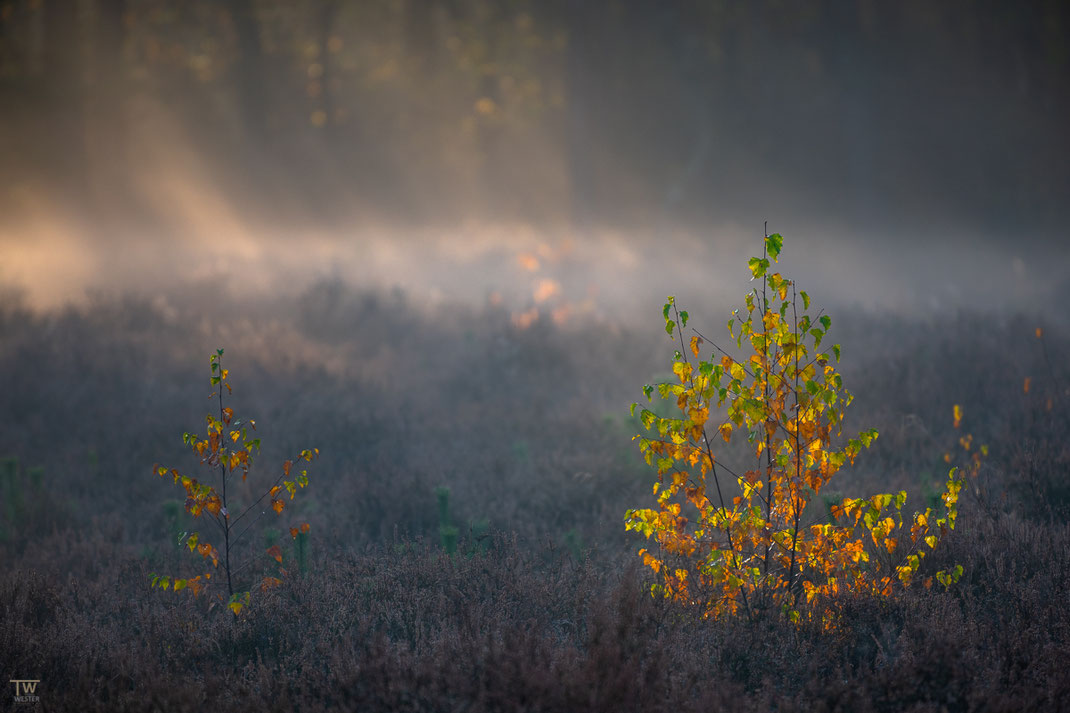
{"points": [[293, 532], [270, 582], [276, 552], [305, 527], [278, 505], [286, 468], [695, 341]]}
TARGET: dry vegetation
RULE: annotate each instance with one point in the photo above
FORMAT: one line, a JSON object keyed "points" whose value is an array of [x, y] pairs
{"points": [[543, 606]]}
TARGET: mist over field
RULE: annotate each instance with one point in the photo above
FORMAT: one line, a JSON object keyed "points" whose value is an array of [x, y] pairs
{"points": [[433, 240], [915, 156]]}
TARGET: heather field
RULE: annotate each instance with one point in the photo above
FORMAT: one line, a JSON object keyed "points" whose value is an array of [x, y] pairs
{"points": [[467, 549]]}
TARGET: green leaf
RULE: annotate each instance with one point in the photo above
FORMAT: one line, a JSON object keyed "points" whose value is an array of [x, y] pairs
{"points": [[758, 267], [836, 351], [683, 318], [806, 299], [826, 320], [773, 244]]}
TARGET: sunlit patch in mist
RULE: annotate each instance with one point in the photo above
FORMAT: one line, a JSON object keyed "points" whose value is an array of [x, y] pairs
{"points": [[49, 259], [523, 320], [545, 289], [528, 262]]}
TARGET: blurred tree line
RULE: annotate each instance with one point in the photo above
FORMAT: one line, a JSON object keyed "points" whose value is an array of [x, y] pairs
{"points": [[536, 109]]}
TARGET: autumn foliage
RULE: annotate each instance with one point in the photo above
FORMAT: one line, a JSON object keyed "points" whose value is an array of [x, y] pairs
{"points": [[730, 538], [226, 451]]}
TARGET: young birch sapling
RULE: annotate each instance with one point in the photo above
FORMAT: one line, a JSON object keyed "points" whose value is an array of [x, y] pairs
{"points": [[227, 450], [736, 540]]}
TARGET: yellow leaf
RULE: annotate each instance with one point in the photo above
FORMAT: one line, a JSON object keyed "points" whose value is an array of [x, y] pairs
{"points": [[682, 371], [957, 412], [695, 341], [931, 541], [236, 607], [726, 431]]}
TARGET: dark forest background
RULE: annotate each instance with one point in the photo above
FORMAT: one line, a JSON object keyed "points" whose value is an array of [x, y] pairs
{"points": [[904, 115]]}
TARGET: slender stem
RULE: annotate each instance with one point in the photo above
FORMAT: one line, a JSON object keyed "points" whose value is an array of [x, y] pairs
{"points": [[257, 519], [798, 451], [766, 368], [223, 474], [709, 454]]}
